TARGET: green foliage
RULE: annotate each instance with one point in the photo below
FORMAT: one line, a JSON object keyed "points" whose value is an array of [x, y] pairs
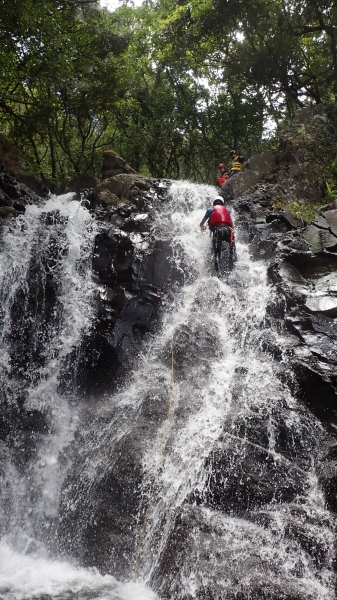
{"points": [[306, 212], [301, 210], [172, 86], [331, 192], [59, 82]]}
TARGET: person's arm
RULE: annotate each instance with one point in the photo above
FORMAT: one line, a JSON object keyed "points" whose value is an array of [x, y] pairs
{"points": [[206, 217], [202, 224]]}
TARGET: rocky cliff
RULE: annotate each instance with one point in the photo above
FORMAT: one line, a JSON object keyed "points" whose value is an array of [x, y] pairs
{"points": [[302, 268]]}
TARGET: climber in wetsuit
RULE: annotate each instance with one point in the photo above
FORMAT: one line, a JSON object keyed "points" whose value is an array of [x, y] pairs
{"points": [[221, 225], [218, 216]]}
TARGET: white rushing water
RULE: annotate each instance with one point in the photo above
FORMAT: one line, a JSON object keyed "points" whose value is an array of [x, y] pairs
{"points": [[23, 577], [57, 236], [26, 243], [210, 402], [207, 372]]}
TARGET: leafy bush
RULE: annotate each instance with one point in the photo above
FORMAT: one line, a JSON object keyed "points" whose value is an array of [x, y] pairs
{"points": [[300, 210]]}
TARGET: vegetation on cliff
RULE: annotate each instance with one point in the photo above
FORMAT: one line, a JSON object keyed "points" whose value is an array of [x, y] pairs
{"points": [[171, 86]]}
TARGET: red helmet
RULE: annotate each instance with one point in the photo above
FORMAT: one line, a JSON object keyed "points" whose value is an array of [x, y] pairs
{"points": [[222, 166]]}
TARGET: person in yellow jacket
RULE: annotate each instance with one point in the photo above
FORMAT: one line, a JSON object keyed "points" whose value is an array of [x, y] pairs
{"points": [[238, 163]]}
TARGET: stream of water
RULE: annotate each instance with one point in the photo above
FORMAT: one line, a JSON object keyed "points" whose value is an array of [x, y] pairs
{"points": [[217, 406]]}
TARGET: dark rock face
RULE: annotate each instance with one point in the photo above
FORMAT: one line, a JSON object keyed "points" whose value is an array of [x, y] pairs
{"points": [[131, 267], [14, 163], [303, 271], [302, 309], [308, 312], [236, 485], [14, 195], [113, 165], [228, 565], [82, 182], [101, 523]]}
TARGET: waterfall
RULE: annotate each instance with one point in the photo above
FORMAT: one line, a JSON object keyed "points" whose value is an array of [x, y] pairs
{"points": [[198, 477], [47, 307], [233, 424]]}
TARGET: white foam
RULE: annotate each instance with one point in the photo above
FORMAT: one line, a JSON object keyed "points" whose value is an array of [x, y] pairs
{"points": [[26, 577]]}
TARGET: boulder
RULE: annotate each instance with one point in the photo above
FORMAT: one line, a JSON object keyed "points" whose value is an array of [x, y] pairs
{"points": [[211, 556], [286, 217], [108, 198], [327, 220], [257, 167], [323, 298], [245, 475], [113, 164], [82, 182], [320, 238], [124, 185]]}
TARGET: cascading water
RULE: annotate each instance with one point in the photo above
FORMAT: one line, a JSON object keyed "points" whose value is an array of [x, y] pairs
{"points": [[47, 307], [233, 476], [197, 478]]}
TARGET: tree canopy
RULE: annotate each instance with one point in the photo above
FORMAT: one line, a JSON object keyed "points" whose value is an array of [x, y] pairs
{"points": [[172, 85]]}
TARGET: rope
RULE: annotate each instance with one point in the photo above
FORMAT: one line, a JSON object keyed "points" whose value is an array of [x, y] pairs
{"points": [[165, 429]]}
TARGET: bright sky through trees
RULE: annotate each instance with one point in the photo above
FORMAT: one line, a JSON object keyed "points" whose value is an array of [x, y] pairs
{"points": [[113, 4]]}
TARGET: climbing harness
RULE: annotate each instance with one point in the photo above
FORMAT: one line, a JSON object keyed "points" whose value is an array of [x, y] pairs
{"points": [[223, 233]]}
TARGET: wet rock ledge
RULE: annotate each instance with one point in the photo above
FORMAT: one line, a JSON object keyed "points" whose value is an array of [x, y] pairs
{"points": [[128, 262], [302, 273]]}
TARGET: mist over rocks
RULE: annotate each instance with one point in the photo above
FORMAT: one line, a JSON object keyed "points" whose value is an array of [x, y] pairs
{"points": [[236, 560]]}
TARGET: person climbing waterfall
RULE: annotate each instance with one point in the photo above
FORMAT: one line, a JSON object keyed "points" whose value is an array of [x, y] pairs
{"points": [[221, 226], [238, 162], [223, 174], [218, 216]]}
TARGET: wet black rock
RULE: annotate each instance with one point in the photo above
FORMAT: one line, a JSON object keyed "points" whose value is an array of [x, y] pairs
{"points": [[98, 527], [15, 195], [302, 273], [246, 476], [132, 269], [235, 559]]}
